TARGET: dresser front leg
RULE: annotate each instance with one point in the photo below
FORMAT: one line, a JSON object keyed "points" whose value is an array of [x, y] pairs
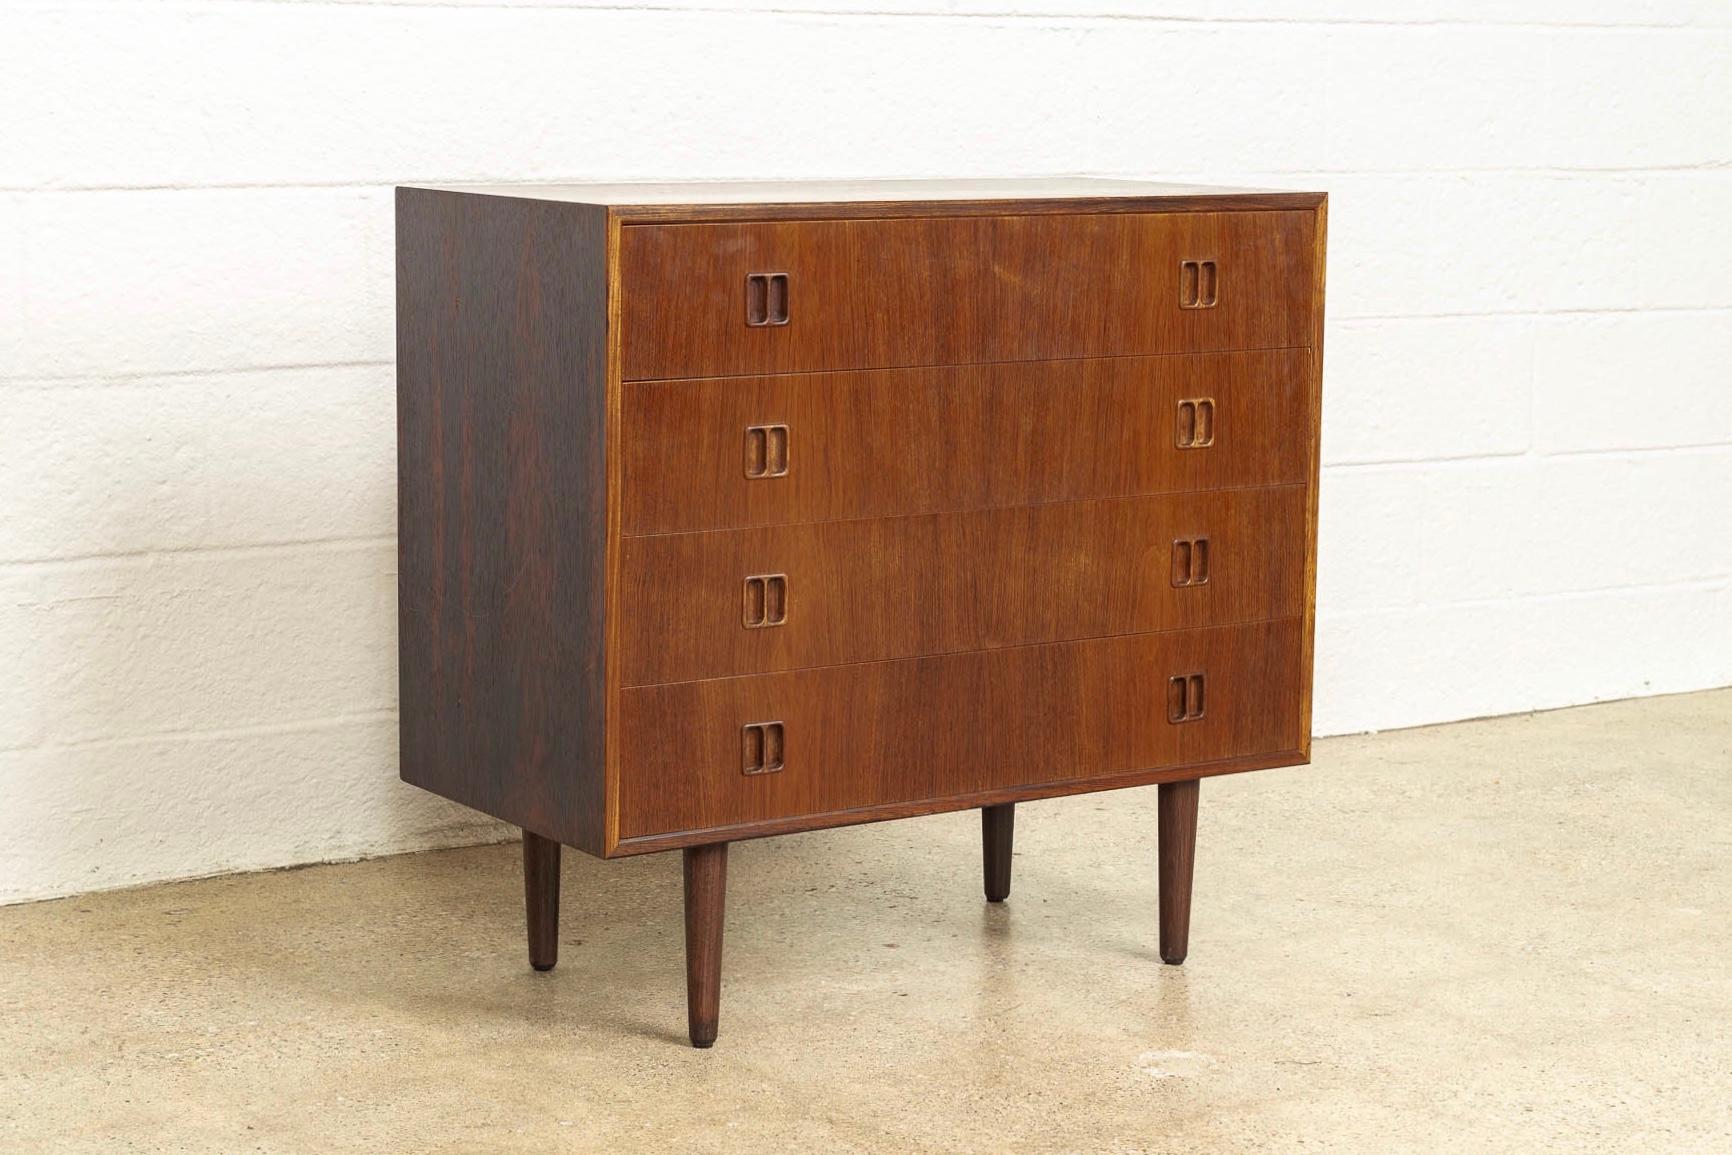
{"points": [[706, 870], [1178, 852], [996, 826], [541, 899]]}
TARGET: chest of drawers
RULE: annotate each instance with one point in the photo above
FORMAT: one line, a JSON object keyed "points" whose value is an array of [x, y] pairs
{"points": [[730, 511]]}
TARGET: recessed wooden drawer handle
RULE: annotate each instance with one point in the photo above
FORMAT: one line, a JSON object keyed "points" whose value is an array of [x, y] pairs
{"points": [[766, 299], [1184, 697], [761, 748], [1197, 284], [1196, 426], [766, 601], [766, 451], [1191, 561]]}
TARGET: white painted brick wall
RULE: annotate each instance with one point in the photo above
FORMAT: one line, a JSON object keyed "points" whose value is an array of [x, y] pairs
{"points": [[1528, 448]]}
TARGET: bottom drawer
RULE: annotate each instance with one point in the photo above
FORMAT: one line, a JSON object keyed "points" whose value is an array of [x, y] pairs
{"points": [[726, 751]]}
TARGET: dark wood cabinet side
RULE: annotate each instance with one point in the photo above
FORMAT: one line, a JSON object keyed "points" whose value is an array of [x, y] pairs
{"points": [[502, 506]]}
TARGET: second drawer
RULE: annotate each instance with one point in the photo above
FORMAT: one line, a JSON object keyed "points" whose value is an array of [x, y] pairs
{"points": [[789, 597], [717, 454]]}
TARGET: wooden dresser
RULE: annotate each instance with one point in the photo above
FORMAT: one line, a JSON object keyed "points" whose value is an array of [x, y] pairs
{"points": [[734, 510]]}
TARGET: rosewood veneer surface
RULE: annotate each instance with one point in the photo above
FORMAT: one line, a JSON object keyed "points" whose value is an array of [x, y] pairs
{"points": [[733, 510]]}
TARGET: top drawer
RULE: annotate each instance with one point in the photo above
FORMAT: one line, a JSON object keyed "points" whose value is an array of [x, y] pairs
{"points": [[707, 300]]}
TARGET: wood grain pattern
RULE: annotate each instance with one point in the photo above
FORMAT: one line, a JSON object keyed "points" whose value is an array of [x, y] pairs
{"points": [[513, 315], [1102, 203], [501, 402], [860, 591], [926, 440], [951, 726], [885, 293], [997, 836], [706, 882], [1177, 810], [688, 201], [920, 807], [541, 899]]}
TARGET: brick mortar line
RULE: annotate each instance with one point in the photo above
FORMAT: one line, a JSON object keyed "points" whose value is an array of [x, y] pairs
{"points": [[1712, 584], [1530, 314], [357, 544], [147, 379], [1638, 452], [139, 377], [1619, 311], [987, 14], [331, 722], [353, 185], [234, 550], [221, 734]]}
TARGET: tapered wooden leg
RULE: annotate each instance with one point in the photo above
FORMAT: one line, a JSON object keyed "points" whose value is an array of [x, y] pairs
{"points": [[996, 826], [1178, 852], [541, 899], [706, 899]]}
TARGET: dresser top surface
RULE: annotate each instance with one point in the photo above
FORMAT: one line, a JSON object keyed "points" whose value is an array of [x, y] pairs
{"points": [[728, 199]]}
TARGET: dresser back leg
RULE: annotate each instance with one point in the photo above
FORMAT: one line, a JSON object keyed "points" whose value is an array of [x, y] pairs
{"points": [[706, 871], [996, 826], [1178, 850], [541, 899]]}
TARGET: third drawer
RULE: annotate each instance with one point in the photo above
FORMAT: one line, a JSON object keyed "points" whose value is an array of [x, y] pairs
{"points": [[790, 597]]}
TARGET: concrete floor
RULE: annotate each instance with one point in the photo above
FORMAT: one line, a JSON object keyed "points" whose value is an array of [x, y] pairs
{"points": [[1500, 935]]}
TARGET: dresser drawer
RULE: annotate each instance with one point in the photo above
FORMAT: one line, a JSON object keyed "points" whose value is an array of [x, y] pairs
{"points": [[892, 732], [721, 453], [745, 601], [700, 300]]}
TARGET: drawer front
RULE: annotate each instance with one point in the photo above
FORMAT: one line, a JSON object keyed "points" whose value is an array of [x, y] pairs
{"points": [[719, 454], [701, 755], [704, 300], [792, 597]]}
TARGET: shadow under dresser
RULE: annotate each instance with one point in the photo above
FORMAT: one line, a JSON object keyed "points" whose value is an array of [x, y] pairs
{"points": [[735, 510]]}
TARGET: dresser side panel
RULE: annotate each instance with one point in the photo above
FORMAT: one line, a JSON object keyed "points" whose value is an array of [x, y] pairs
{"points": [[502, 506]]}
